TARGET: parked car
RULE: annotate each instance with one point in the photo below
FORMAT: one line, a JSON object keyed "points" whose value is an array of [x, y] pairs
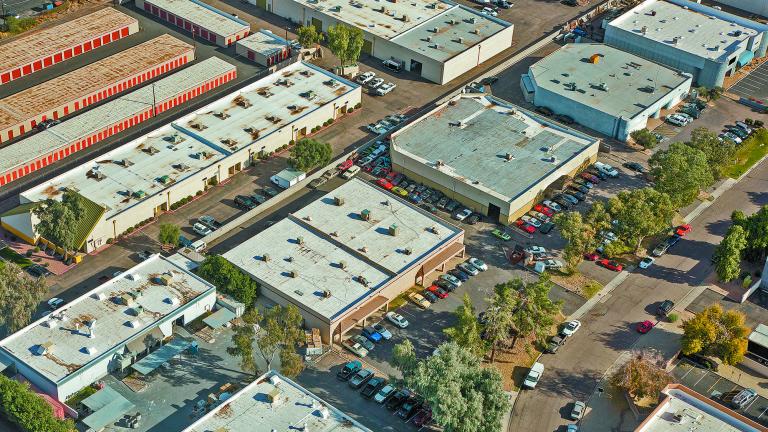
{"points": [[569, 198], [355, 347], [590, 177], [586, 183], [365, 77], [55, 303], [456, 282], [578, 410], [682, 230], [564, 119], [743, 398], [503, 235], [700, 361], [459, 274], [45, 124], [579, 195], [591, 256], [385, 88], [374, 83], [746, 128], [372, 335], [438, 291], [201, 229], [579, 188], [531, 220], [392, 65], [473, 219], [349, 369], [362, 340], [409, 408], [489, 11], [546, 227], [360, 378], [385, 393], [570, 328], [646, 262], [468, 268], [530, 229], [665, 307], [644, 327], [419, 300], [244, 202], [540, 216], [610, 265], [463, 214], [209, 221], [543, 209], [554, 344], [372, 387], [733, 137], [606, 169], [562, 202], [553, 205], [634, 166], [478, 264], [258, 198], [397, 319], [270, 191], [660, 249], [37, 270], [398, 399], [534, 375], [423, 417]]}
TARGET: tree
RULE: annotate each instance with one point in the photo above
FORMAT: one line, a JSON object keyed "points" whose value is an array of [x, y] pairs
{"points": [[710, 94], [716, 332], [57, 219], [578, 235], [727, 255], [243, 339], [28, 410], [19, 296], [466, 332], [534, 311], [681, 172], [498, 317], [228, 279], [645, 138], [641, 377], [598, 217], [291, 363], [309, 36], [345, 42], [169, 234], [464, 395], [719, 154], [756, 228], [309, 153], [404, 358], [640, 213]]}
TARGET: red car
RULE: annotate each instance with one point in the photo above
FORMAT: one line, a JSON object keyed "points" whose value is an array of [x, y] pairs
{"points": [[347, 164], [439, 292], [644, 327], [591, 256], [590, 177], [391, 176], [543, 209], [530, 229], [422, 418], [683, 230], [610, 265], [384, 183]]}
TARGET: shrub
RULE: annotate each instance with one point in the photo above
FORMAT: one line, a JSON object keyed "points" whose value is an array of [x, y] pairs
{"points": [[110, 240], [190, 198], [330, 120], [644, 138], [28, 253], [358, 105], [758, 124], [28, 410], [349, 111], [229, 279], [749, 121], [199, 193], [129, 230], [673, 317], [213, 181], [37, 249], [746, 282]]}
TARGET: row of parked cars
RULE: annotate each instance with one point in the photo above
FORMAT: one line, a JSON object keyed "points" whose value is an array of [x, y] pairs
{"points": [[738, 132], [406, 404], [448, 282], [259, 196], [386, 124], [376, 85], [372, 335]]}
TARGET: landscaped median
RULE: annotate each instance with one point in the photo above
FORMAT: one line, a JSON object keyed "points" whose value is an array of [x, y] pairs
{"points": [[748, 153]]}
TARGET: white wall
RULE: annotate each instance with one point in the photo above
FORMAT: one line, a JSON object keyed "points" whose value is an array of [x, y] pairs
{"points": [[477, 54]]}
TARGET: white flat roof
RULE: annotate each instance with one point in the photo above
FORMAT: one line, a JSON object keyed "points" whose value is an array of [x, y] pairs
{"points": [[252, 410], [264, 42], [331, 235], [132, 168], [706, 33], [272, 103], [65, 332], [117, 110], [203, 15]]}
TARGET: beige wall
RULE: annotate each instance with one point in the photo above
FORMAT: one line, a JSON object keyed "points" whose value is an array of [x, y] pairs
{"points": [[477, 54]]}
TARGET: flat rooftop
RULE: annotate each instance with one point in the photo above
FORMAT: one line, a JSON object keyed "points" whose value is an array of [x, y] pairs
{"points": [[264, 42], [58, 345], [333, 234], [472, 137], [704, 34], [89, 79], [631, 83], [38, 44], [458, 29], [96, 119], [275, 403], [203, 15], [712, 417], [138, 167], [259, 109]]}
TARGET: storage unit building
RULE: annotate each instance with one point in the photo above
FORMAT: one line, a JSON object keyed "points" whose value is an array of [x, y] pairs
{"points": [[43, 48], [264, 48], [202, 20], [493, 157], [105, 329], [68, 93], [603, 88], [84, 130], [438, 40], [707, 43]]}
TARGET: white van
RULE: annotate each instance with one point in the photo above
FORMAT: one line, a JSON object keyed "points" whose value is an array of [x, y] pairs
{"points": [[533, 375], [606, 169], [351, 172]]}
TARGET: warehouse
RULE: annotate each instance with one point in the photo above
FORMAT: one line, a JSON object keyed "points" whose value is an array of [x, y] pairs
{"points": [[271, 403], [68, 93], [707, 43], [265, 48], [40, 49], [84, 130], [199, 18], [493, 157], [143, 178], [347, 255], [758, 7], [438, 40], [108, 328], [604, 88]]}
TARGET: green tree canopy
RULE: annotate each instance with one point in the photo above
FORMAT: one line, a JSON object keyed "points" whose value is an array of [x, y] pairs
{"points": [[756, 229], [719, 154], [309, 36], [57, 219], [641, 377], [579, 237], [19, 296], [727, 255], [345, 42], [466, 332], [535, 311], [228, 279], [681, 172], [243, 340], [710, 93], [309, 153], [28, 410], [640, 213], [645, 138], [716, 332], [169, 234]]}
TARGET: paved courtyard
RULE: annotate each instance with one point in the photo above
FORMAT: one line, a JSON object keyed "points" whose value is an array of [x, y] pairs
{"points": [[754, 85]]}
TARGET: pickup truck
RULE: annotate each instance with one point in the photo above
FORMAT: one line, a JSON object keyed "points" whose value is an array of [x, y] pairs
{"points": [[355, 347], [533, 376]]}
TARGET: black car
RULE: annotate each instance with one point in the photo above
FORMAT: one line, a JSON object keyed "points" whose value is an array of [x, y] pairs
{"points": [[444, 284], [429, 207], [554, 344], [562, 202], [577, 194], [634, 166], [37, 270], [258, 198], [409, 408], [489, 80], [665, 307], [360, 378], [45, 124], [271, 191], [244, 202], [672, 240], [700, 361], [373, 386], [544, 110], [349, 369], [429, 296], [398, 399], [451, 206], [580, 188], [546, 227], [473, 219], [459, 274]]}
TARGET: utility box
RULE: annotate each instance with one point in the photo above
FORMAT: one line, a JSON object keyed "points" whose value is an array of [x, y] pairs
{"points": [[288, 177]]}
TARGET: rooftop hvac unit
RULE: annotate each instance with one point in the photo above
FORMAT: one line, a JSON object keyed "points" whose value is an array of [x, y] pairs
{"points": [[221, 114], [133, 324], [435, 29], [265, 257], [394, 230], [174, 301], [471, 20], [294, 273], [644, 30], [406, 19], [408, 251], [434, 230], [89, 350], [362, 280], [594, 58], [42, 349], [365, 215], [508, 157], [300, 240], [326, 294], [342, 264], [459, 40], [339, 201], [428, 39]]}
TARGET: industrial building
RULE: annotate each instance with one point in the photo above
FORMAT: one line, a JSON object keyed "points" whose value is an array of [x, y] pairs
{"points": [[438, 40], [40, 49], [603, 88], [493, 157], [705, 42], [108, 328], [82, 131], [347, 255], [757, 7], [73, 91], [200, 19], [264, 48], [275, 403], [144, 177], [684, 409]]}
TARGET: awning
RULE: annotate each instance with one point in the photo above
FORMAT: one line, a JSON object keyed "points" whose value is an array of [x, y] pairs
{"points": [[107, 406], [160, 356], [219, 318], [745, 57], [136, 346]]}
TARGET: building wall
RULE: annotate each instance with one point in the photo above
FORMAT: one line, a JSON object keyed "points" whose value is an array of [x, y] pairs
{"points": [[477, 54], [430, 69], [109, 130], [222, 40], [90, 99], [759, 7], [87, 45]]}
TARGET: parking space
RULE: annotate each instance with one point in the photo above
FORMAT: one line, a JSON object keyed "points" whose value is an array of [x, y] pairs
{"points": [[753, 85], [753, 309]]}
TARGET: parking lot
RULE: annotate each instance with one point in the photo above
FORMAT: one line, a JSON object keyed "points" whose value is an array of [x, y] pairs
{"points": [[754, 85], [713, 385]]}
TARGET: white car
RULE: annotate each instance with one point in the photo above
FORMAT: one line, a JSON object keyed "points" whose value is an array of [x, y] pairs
{"points": [[397, 319], [531, 221], [201, 229], [478, 264], [570, 328], [385, 88], [553, 264], [383, 331], [677, 120], [553, 205], [534, 249], [375, 83], [365, 77], [377, 128], [606, 169], [452, 279], [609, 235], [538, 215], [646, 262], [55, 303], [460, 216], [489, 11]]}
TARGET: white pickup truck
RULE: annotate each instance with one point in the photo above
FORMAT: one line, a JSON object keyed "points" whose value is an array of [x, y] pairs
{"points": [[533, 375]]}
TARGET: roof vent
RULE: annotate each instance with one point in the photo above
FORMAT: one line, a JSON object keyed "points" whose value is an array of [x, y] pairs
{"points": [[459, 40], [365, 215], [508, 157], [364, 249], [326, 294], [439, 163], [294, 274], [41, 349], [50, 323], [300, 240], [408, 251], [220, 114], [394, 230], [428, 39], [475, 31], [174, 301], [275, 380], [471, 20], [406, 18], [434, 229], [363, 281], [644, 30], [324, 413], [435, 29], [342, 264], [89, 350], [133, 324], [265, 258]]}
